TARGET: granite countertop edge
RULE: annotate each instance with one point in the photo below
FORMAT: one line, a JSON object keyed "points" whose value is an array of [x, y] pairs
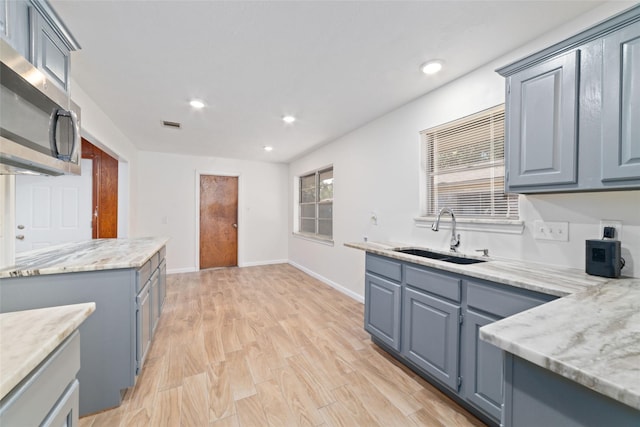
{"points": [[33, 335], [91, 255]]}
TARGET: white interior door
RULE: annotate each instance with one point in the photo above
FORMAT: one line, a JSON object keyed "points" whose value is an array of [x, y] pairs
{"points": [[53, 209]]}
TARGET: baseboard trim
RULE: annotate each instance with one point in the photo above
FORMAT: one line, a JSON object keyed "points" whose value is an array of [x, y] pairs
{"points": [[181, 270], [258, 263], [331, 283]]}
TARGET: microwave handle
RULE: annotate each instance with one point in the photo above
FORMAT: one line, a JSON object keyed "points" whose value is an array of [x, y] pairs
{"points": [[76, 135], [55, 116]]}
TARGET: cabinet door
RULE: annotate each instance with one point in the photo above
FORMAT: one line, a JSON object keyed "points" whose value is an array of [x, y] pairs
{"points": [[143, 326], [49, 52], [382, 310], [483, 376], [542, 120], [620, 106], [65, 413], [162, 285], [154, 295], [431, 328], [14, 25]]}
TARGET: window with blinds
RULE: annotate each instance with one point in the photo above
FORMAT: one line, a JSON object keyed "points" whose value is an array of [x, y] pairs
{"points": [[463, 163], [316, 204]]}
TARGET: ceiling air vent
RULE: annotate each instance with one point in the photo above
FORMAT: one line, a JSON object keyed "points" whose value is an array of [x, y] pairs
{"points": [[173, 125]]}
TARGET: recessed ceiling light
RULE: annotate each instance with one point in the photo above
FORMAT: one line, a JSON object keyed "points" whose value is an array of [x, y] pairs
{"points": [[288, 119], [196, 103], [431, 67], [268, 148]]}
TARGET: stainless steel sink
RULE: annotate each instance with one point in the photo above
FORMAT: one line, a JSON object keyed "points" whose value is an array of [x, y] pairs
{"points": [[439, 256]]}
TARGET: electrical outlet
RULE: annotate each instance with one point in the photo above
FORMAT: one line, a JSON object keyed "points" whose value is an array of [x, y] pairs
{"points": [[617, 224], [547, 230]]}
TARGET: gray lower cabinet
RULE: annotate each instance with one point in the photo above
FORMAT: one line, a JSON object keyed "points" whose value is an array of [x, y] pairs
{"points": [[162, 285], [483, 372], [487, 302], [430, 319], [382, 315], [143, 325], [535, 397], [115, 338], [48, 396], [431, 335]]}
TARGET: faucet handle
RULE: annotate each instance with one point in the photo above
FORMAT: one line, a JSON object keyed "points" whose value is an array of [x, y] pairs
{"points": [[485, 252]]}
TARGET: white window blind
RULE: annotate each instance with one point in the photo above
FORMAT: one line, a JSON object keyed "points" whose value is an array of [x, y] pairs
{"points": [[463, 163]]}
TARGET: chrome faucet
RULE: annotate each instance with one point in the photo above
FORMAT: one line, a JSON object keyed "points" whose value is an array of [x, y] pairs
{"points": [[455, 239]]}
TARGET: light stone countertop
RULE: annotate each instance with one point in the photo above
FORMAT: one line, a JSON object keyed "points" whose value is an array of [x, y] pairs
{"points": [[550, 280], [28, 337], [89, 255], [591, 335]]}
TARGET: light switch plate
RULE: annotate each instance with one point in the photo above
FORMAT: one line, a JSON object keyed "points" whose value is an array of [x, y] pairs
{"points": [[548, 230], [617, 224]]}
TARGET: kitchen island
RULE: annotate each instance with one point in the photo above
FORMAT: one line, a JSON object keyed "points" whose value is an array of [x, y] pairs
{"points": [[39, 360], [583, 346], [126, 278]]}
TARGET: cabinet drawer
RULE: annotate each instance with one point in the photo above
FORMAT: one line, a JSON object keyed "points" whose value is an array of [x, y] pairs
{"points": [[502, 301], [384, 267], [162, 253], [29, 403], [142, 275], [435, 283]]}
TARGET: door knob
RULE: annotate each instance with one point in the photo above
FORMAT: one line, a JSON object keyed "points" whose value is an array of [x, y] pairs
{"points": [[20, 237], [20, 227], [235, 225]]}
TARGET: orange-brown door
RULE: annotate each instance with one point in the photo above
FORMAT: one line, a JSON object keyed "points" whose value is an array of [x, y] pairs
{"points": [[105, 191], [218, 221]]}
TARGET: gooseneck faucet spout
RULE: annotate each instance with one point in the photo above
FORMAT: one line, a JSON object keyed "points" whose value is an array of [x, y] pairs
{"points": [[455, 238]]}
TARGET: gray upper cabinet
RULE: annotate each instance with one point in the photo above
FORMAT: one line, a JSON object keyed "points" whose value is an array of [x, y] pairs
{"points": [[620, 95], [543, 123], [50, 54], [34, 29], [14, 25], [572, 122]]}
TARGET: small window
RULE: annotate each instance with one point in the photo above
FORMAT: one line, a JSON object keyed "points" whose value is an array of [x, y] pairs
{"points": [[316, 204], [463, 167]]}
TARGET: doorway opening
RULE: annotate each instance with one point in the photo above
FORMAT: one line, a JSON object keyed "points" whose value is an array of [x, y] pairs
{"points": [[104, 204]]}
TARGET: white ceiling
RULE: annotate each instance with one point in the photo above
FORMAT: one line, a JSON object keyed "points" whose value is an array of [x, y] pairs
{"points": [[335, 65]]}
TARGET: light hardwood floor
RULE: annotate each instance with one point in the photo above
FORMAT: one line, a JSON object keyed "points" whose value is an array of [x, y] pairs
{"points": [[271, 346]]}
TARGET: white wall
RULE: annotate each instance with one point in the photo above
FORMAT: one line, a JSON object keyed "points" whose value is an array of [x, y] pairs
{"points": [[376, 169], [98, 128], [167, 193]]}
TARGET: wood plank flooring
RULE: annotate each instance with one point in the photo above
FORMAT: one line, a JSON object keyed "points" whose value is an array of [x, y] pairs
{"points": [[271, 346]]}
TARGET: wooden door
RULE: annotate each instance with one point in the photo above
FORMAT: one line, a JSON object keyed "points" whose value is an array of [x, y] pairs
{"points": [[218, 221], [105, 191]]}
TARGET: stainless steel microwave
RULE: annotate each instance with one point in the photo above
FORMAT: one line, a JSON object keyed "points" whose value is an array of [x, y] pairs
{"points": [[39, 123]]}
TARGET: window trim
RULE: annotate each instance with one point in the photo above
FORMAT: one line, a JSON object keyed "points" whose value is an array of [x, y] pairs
{"points": [[319, 238]]}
